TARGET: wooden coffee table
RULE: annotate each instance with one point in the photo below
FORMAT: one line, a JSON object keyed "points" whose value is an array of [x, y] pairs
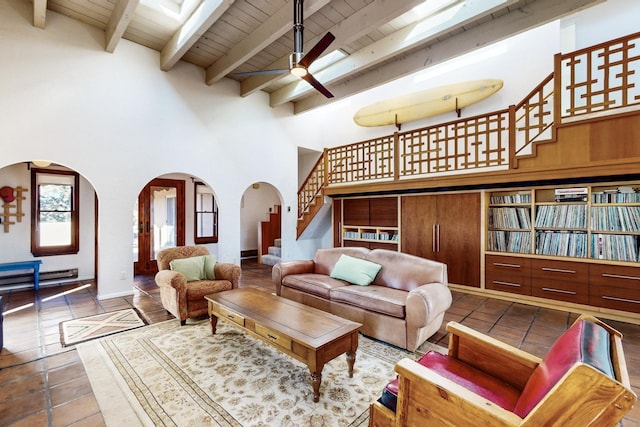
{"points": [[309, 335]]}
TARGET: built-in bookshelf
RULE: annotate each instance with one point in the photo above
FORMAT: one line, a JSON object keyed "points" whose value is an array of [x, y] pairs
{"points": [[561, 221], [598, 221], [370, 234], [510, 222], [615, 222]]}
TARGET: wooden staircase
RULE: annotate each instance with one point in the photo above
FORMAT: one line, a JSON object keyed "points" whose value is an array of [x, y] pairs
{"points": [[269, 251]]}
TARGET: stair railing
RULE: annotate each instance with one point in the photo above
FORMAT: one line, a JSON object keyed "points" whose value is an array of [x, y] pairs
{"points": [[586, 84]]}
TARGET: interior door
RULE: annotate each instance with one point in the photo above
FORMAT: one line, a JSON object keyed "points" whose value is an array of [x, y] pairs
{"points": [[159, 219], [419, 226]]}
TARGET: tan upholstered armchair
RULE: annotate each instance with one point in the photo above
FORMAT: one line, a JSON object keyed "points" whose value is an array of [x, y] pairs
{"points": [[185, 299]]}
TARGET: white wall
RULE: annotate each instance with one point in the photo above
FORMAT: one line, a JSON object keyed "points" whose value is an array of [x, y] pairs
{"points": [[120, 121]]}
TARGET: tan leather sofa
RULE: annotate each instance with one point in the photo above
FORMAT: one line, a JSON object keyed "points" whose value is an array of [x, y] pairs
{"points": [[404, 305]]}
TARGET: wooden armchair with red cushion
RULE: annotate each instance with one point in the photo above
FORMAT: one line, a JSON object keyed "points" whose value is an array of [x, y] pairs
{"points": [[581, 381]]}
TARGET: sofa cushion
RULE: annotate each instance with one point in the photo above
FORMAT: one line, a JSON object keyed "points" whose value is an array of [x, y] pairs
{"points": [[404, 271], [314, 284], [584, 342], [325, 259], [210, 267], [355, 270], [192, 268], [482, 384], [379, 299]]}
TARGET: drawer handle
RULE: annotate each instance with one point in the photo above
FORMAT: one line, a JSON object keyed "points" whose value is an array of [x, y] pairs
{"points": [[230, 316], [515, 285], [621, 299], [558, 291], [617, 276], [558, 270], [501, 264], [272, 337]]}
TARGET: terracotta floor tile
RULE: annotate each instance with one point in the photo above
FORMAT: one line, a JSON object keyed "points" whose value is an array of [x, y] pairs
{"points": [[70, 390], [74, 411], [23, 406]]}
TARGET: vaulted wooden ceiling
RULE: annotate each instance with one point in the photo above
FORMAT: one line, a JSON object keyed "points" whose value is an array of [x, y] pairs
{"points": [[377, 40]]}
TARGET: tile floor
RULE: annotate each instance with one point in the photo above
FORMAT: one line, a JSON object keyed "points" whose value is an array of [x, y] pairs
{"points": [[44, 384]]}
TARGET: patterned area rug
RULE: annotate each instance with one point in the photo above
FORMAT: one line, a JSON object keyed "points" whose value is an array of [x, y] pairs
{"points": [[87, 328], [183, 376]]}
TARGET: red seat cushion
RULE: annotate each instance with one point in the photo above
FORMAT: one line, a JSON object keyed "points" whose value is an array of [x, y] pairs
{"points": [[498, 392], [584, 342]]}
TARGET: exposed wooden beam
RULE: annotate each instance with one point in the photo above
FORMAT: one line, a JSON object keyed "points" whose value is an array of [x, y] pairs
{"points": [[198, 23], [351, 29], [268, 32], [117, 25], [515, 22], [403, 40], [39, 13]]}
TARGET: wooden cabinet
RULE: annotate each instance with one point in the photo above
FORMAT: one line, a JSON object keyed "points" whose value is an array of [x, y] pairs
{"points": [[508, 274], [445, 228], [583, 243], [560, 280], [615, 287], [370, 222]]}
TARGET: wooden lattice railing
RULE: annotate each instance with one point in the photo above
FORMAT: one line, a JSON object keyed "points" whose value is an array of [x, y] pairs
{"points": [[597, 81]]}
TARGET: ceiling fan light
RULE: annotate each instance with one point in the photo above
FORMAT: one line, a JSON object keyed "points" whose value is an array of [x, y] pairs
{"points": [[41, 163], [298, 71]]}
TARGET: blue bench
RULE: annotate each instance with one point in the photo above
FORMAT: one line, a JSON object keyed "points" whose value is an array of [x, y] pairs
{"points": [[25, 265]]}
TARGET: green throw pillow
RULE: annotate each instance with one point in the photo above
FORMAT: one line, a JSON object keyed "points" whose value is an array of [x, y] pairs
{"points": [[355, 270], [192, 268], [209, 267]]}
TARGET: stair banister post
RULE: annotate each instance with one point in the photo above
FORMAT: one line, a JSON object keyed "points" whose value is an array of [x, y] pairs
{"points": [[325, 178], [396, 156], [557, 90], [513, 160]]}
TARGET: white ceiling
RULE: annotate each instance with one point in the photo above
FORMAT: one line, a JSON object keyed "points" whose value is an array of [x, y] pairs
{"points": [[381, 40]]}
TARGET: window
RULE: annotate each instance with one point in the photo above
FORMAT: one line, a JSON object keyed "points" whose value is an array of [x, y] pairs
{"points": [[206, 215], [54, 213]]}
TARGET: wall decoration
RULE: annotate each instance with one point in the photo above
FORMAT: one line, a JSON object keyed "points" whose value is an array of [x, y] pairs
{"points": [[9, 209]]}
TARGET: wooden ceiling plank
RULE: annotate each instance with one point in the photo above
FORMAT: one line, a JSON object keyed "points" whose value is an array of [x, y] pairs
{"points": [[272, 29], [507, 25], [407, 38], [351, 29], [118, 23], [39, 13], [198, 23]]}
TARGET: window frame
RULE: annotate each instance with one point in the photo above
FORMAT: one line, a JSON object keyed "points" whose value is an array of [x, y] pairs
{"points": [[74, 246], [196, 216]]}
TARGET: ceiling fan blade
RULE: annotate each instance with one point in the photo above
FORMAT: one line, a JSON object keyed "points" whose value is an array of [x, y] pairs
{"points": [[317, 50], [317, 85], [261, 72]]}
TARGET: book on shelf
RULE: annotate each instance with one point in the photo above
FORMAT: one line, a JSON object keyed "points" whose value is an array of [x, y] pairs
{"points": [[622, 194]]}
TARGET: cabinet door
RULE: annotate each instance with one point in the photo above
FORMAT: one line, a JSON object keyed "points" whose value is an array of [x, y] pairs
{"points": [[419, 219], [444, 228], [458, 237]]}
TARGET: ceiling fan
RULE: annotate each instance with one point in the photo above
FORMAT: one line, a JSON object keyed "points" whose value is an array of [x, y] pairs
{"points": [[298, 61]]}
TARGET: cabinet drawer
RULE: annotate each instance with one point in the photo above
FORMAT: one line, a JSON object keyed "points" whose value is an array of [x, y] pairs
{"points": [[614, 287], [508, 264], [274, 337], [516, 283], [560, 290], [560, 270], [230, 315]]}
